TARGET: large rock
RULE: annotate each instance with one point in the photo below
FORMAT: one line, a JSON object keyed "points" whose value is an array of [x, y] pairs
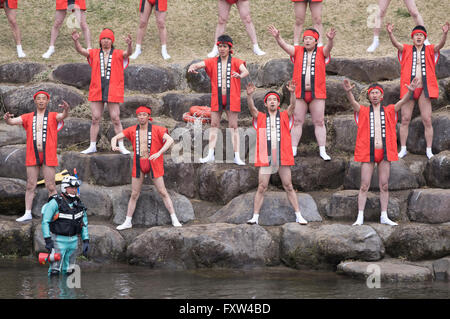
{"points": [[443, 65], [20, 101], [12, 196], [344, 206], [223, 182], [180, 177], [344, 129], [441, 268], [336, 97], [326, 246], [388, 271], [429, 206], [131, 103], [419, 241], [74, 131], [311, 173], [150, 78], [150, 209], [10, 134], [204, 246], [110, 169], [19, 72], [176, 104], [15, 238], [365, 70], [276, 209], [198, 82], [105, 243], [276, 72], [12, 159], [73, 74], [401, 177], [437, 172], [441, 137]]}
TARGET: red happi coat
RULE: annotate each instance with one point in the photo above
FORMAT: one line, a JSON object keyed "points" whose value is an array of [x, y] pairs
{"points": [[10, 4], [50, 143], [160, 5], [430, 86], [318, 80], [157, 165], [365, 144], [285, 152], [115, 86], [235, 86], [63, 4]]}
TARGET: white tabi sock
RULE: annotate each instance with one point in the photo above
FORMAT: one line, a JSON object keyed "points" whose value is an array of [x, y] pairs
{"points": [[25, 217], [360, 219], [323, 153], [402, 152], [254, 219], [299, 219], [384, 219]]}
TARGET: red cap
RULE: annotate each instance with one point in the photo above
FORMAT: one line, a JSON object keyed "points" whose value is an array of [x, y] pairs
{"points": [[107, 33]]}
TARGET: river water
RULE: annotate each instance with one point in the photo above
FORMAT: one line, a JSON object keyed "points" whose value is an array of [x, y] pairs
{"points": [[22, 278]]}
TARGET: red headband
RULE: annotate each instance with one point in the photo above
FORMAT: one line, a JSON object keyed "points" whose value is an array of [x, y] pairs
{"points": [[267, 96], [419, 31], [143, 109], [375, 88], [41, 92], [311, 33], [226, 42], [107, 33]]}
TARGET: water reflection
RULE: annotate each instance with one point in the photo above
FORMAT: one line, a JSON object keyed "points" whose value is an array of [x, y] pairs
{"points": [[21, 279]]}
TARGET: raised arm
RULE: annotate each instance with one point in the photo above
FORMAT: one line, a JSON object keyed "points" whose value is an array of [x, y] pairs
{"points": [[395, 43], [114, 141], [441, 44], [78, 47], [129, 50], [11, 120], [291, 87], [194, 67], [414, 84], [250, 103], [289, 49], [61, 116], [330, 36], [168, 142], [348, 90]]}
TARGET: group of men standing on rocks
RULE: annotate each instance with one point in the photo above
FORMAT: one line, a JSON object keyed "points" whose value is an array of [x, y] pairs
{"points": [[278, 132]]}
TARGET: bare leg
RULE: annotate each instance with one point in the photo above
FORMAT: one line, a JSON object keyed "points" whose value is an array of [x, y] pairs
{"points": [[161, 188], [49, 177], [114, 113], [404, 126], [161, 23], [244, 12], [143, 23], [300, 12], [136, 187], [286, 179], [263, 182], [213, 132], [316, 15], [59, 19], [85, 29], [97, 113], [425, 113], [317, 110], [299, 118], [382, 9], [414, 12], [383, 179], [32, 177], [223, 12], [233, 125], [11, 15], [366, 177]]}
